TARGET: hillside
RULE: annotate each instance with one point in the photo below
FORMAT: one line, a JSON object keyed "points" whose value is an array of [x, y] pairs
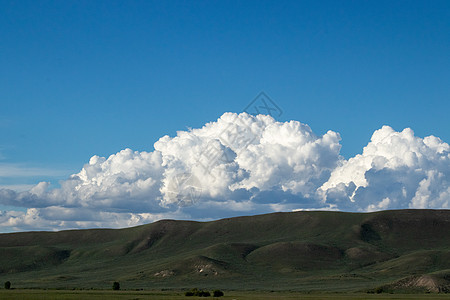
{"points": [[335, 251]]}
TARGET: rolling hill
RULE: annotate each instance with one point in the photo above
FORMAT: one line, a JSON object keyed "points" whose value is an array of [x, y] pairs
{"points": [[401, 250]]}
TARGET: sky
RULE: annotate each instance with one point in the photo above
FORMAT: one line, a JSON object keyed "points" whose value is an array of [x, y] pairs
{"points": [[106, 108]]}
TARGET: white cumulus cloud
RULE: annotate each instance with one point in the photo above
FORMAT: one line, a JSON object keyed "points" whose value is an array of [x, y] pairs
{"points": [[239, 164], [395, 170]]}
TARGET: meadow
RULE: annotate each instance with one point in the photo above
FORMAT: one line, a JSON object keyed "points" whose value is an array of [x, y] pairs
{"points": [[404, 251], [26, 294]]}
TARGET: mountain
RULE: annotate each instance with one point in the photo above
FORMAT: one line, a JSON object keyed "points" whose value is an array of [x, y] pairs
{"points": [[307, 251]]}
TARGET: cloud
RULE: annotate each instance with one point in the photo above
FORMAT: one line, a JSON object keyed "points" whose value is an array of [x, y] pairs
{"points": [[395, 170], [19, 170], [239, 165], [57, 218], [17, 187], [247, 153]]}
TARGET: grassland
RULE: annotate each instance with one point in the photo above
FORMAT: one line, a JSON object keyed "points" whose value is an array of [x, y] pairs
{"points": [[178, 295], [308, 252]]}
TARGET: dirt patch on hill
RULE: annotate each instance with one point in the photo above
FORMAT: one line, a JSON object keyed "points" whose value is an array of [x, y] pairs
{"points": [[430, 283]]}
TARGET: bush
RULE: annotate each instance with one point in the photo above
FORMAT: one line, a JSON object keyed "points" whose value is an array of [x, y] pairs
{"points": [[217, 293], [192, 292], [116, 286], [8, 285], [204, 294], [198, 293]]}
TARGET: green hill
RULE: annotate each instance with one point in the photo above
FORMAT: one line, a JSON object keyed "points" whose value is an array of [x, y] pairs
{"points": [[326, 251]]}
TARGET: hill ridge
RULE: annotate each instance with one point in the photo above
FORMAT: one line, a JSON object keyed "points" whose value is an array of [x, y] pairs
{"points": [[304, 250]]}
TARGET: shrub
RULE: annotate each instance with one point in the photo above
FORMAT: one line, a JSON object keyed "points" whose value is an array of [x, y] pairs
{"points": [[8, 285], [116, 286], [198, 293], [192, 292], [217, 293]]}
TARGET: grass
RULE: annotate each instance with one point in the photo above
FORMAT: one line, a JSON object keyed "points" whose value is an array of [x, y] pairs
{"points": [[26, 294], [301, 251]]}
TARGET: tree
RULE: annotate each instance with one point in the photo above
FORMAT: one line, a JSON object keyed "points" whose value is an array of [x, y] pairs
{"points": [[217, 293], [8, 285], [116, 286]]}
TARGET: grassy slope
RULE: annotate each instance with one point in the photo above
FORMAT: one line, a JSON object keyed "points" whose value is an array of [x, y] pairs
{"points": [[299, 251]]}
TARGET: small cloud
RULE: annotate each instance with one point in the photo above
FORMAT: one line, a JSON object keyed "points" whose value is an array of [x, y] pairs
{"points": [[19, 170], [17, 187]]}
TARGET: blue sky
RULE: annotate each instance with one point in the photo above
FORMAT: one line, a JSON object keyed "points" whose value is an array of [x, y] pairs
{"points": [[84, 78]]}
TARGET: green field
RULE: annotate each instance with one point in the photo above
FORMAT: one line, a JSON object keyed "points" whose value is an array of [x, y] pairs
{"points": [[391, 251], [167, 295]]}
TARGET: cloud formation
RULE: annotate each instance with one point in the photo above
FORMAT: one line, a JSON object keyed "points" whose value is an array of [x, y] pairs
{"points": [[395, 170], [239, 164]]}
